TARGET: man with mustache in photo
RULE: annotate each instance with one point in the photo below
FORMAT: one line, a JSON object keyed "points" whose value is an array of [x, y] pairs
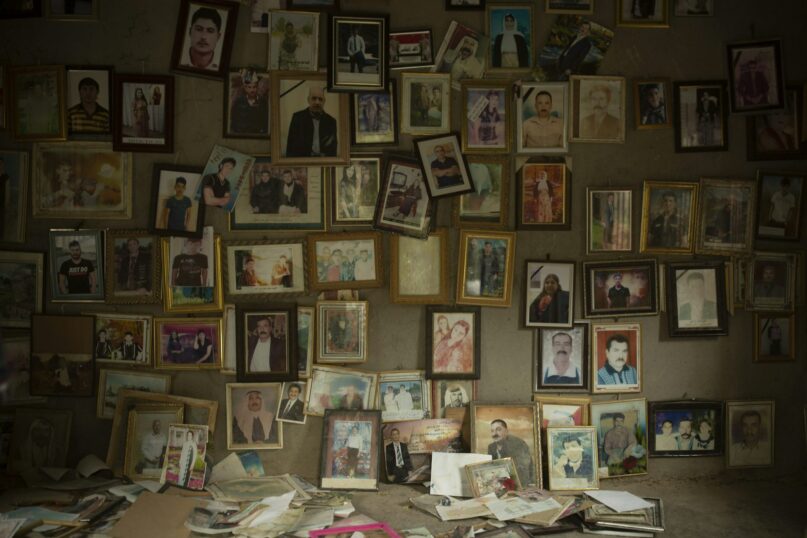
{"points": [[204, 33], [562, 371], [312, 131], [599, 124], [267, 353], [617, 371], [506, 445]]}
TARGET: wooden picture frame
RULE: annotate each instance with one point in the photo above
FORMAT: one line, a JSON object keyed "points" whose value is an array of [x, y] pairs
{"points": [[404, 205], [28, 269], [700, 116], [542, 118], [91, 85], [326, 268], [553, 344], [669, 210], [544, 196], [137, 116], [184, 357], [136, 468], [705, 284], [340, 343], [379, 110], [355, 190], [486, 124], [200, 32], [615, 458], [488, 206], [572, 411], [618, 289], [665, 443], [451, 394], [425, 103], [549, 291], [774, 336], [256, 270], [651, 98], [557, 440], [114, 348], [305, 22], [263, 396], [419, 269], [246, 104], [778, 135], [418, 49], [366, 427], [62, 361], [617, 343], [754, 67], [45, 112], [262, 329], [524, 33], [450, 356], [110, 382], [180, 297], [341, 29], [86, 276], [497, 288], [134, 262], [772, 281], [585, 125], [751, 446], [717, 234], [449, 163]]}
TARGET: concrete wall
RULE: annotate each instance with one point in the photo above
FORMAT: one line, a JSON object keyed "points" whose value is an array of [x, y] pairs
{"points": [[137, 37]]}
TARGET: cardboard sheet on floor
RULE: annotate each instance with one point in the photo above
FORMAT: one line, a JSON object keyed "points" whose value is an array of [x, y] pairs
{"points": [[168, 511]]}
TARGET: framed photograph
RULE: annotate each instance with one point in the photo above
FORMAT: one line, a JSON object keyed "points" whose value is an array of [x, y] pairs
{"points": [[509, 431], [355, 190], [598, 109], [444, 165], [375, 117], [622, 432], [425, 103], [668, 217], [726, 216], [191, 280], [781, 196], [14, 181], [133, 261], [204, 38], [184, 464], [350, 450], [486, 124], [617, 289], [462, 53], [404, 395], [21, 10], [62, 362], [686, 428], [549, 294], [340, 388], [89, 101], [411, 49], [756, 76], [408, 447], [23, 276], [110, 382], [297, 98], [229, 360], [79, 10], [778, 135], [487, 206], [291, 406], [342, 333], [696, 299], [749, 426], [172, 211], [652, 103], [774, 336], [281, 198], [251, 422], [497, 476], [348, 260], [76, 265], [41, 438], [543, 197], [469, 5], [694, 8], [701, 116], [609, 220], [572, 458], [419, 269], [511, 28], [451, 394], [313, 5], [616, 358], [246, 104], [575, 46], [306, 333], [771, 281], [147, 439], [562, 411], [453, 342], [561, 359], [486, 268], [37, 102], [293, 40], [542, 109], [574, 7], [359, 47], [223, 164], [144, 117], [187, 343], [81, 180], [655, 14], [267, 343], [645, 520], [404, 205], [16, 353], [255, 269], [123, 340], [739, 280]]}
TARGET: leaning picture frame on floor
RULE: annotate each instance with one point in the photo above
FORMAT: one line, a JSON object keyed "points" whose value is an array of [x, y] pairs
{"points": [[351, 455]]}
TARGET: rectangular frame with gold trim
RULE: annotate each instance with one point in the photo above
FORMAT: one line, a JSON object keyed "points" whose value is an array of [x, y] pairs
{"points": [[476, 93], [213, 304], [50, 79], [466, 206], [415, 263], [470, 288], [184, 354], [132, 468], [685, 197]]}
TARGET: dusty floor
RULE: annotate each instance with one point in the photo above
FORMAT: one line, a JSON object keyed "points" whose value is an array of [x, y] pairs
{"points": [[694, 508]]}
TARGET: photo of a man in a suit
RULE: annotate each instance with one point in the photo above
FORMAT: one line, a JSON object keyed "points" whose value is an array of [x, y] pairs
{"points": [[575, 52], [397, 459], [291, 407], [304, 123], [267, 352]]}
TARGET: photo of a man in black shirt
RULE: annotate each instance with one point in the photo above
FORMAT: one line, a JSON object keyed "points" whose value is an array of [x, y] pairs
{"points": [[190, 267], [76, 274]]}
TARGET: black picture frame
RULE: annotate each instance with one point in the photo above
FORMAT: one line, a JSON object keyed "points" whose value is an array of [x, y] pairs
{"points": [[110, 74], [382, 60], [459, 7], [592, 276], [673, 308], [792, 228], [199, 223], [538, 359], [242, 345], [538, 272], [414, 65], [326, 470], [262, 79], [476, 313], [436, 191], [118, 142], [183, 19], [355, 109], [761, 130], [381, 222], [703, 86], [695, 411], [739, 77]]}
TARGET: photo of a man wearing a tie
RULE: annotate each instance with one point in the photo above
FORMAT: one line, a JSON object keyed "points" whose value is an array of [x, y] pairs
{"points": [[399, 464], [252, 423], [292, 408]]}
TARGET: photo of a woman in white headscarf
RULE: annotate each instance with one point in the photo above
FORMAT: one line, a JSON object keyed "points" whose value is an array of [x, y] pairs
{"points": [[510, 47]]}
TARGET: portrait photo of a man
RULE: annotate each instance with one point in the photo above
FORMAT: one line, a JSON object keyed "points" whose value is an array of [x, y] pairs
{"points": [[360, 55], [251, 415], [204, 37], [562, 358], [669, 218], [248, 103], [652, 104], [266, 343], [292, 406], [397, 458], [750, 442], [88, 99], [507, 445], [542, 118], [617, 358], [572, 458], [600, 101], [696, 293], [310, 130]]}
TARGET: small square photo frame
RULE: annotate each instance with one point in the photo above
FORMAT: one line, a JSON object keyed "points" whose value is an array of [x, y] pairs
{"points": [[566, 447], [542, 118], [486, 268], [204, 38], [669, 211], [342, 331], [354, 465], [749, 433], [562, 411], [453, 342], [266, 343], [756, 76], [410, 49], [561, 359], [176, 208], [419, 269], [452, 393], [404, 205], [425, 103], [444, 165], [246, 104], [616, 358], [701, 116], [598, 109], [618, 289], [686, 428], [144, 113], [76, 265], [375, 117], [488, 206], [359, 57], [247, 406], [347, 260], [696, 299], [486, 125], [544, 196], [609, 223], [774, 336], [134, 263], [652, 104], [726, 216], [549, 293]]}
